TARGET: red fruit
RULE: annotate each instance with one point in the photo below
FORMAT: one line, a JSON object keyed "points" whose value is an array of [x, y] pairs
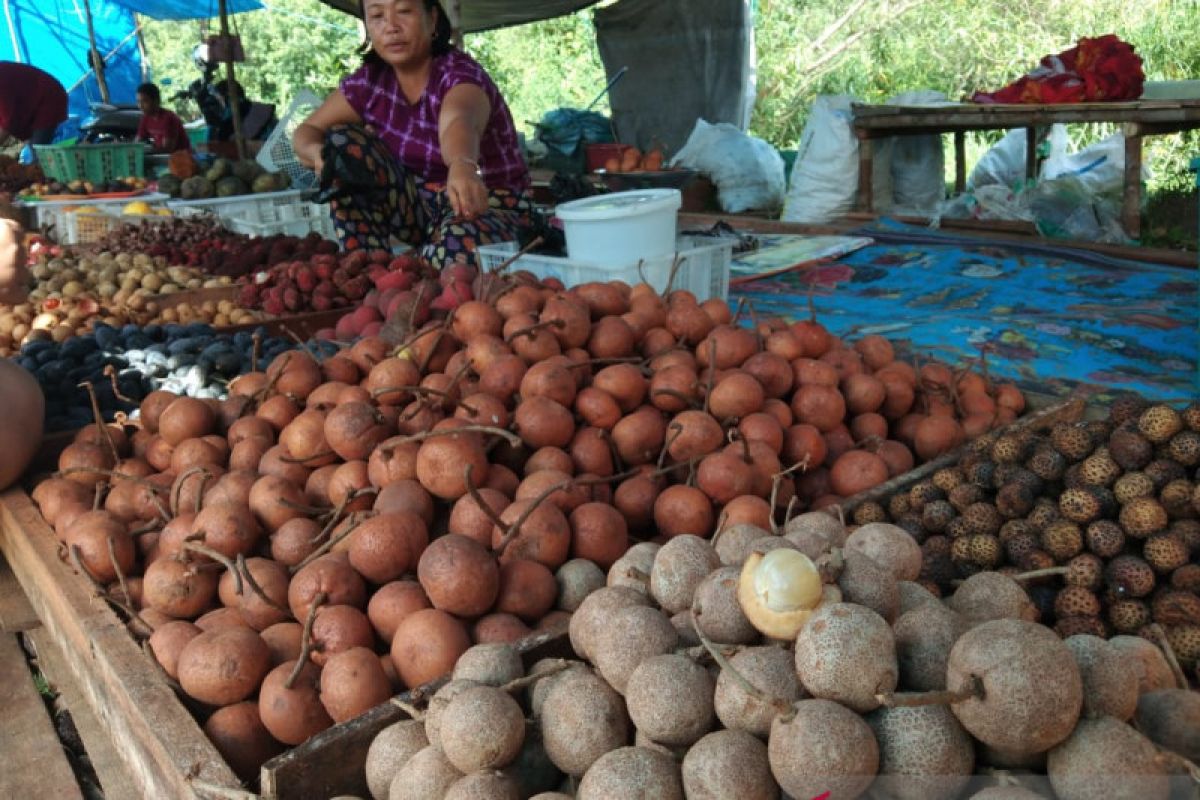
{"points": [[395, 302], [394, 280], [248, 296], [273, 307], [325, 334], [371, 299], [356, 288], [292, 300], [371, 329], [326, 288], [340, 276], [380, 256], [452, 297], [306, 279], [365, 314], [344, 329], [323, 269], [320, 302], [457, 273]]}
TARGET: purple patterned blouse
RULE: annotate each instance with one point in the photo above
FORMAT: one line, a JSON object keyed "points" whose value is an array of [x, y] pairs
{"points": [[410, 130]]}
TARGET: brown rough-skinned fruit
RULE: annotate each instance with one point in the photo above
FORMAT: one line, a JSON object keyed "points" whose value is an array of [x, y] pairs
{"points": [[1171, 718], [728, 764], [924, 753], [1110, 683], [1104, 757], [824, 748], [630, 771], [846, 652], [1032, 689]]}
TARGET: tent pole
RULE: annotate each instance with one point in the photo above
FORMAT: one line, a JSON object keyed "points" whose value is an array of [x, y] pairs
{"points": [[231, 85], [12, 32], [141, 45], [94, 54]]}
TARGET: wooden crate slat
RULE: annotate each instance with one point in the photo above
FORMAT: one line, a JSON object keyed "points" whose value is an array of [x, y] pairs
{"points": [[34, 762], [334, 761], [161, 743], [15, 612]]}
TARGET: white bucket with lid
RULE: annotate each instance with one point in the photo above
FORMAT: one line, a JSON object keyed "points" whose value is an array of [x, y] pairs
{"points": [[621, 228]]}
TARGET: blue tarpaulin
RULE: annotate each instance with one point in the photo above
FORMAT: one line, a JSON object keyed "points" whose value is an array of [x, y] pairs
{"points": [[52, 35]]}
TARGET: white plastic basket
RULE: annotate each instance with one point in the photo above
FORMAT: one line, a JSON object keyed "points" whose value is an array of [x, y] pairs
{"points": [[703, 267], [87, 227], [293, 219], [240, 206], [277, 155]]}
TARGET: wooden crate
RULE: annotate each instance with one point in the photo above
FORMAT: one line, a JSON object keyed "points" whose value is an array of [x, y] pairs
{"points": [[158, 740]]}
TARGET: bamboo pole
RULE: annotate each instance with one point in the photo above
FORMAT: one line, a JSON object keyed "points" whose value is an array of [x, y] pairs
{"points": [[234, 95], [94, 54]]}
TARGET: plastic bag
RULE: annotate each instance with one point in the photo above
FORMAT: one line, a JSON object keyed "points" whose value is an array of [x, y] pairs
{"points": [[990, 202], [1069, 208], [1004, 163], [747, 171], [1100, 166], [918, 164], [825, 177]]}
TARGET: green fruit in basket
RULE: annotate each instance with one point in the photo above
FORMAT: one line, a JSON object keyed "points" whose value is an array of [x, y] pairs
{"points": [[197, 187], [171, 185], [247, 169], [265, 183], [219, 169], [230, 186]]}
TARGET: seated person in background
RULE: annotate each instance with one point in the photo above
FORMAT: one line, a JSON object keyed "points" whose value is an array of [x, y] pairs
{"points": [[32, 104], [160, 126], [258, 120]]}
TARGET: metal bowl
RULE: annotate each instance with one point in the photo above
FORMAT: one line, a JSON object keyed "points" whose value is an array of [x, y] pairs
{"points": [[631, 181]]}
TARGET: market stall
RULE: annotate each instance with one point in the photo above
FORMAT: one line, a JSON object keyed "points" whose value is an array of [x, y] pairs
{"points": [[631, 513]]}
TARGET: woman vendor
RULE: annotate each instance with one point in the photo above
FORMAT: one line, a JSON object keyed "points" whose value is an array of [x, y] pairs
{"points": [[417, 147], [25, 406]]}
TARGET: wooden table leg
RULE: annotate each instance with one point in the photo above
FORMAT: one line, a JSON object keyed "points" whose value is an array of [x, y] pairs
{"points": [[1131, 200], [866, 159], [1031, 157], [960, 162]]}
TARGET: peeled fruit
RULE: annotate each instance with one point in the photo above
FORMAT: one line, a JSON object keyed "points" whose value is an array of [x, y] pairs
{"points": [[779, 591]]}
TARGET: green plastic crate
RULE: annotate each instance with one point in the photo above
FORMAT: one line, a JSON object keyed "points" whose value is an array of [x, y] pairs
{"points": [[92, 162]]}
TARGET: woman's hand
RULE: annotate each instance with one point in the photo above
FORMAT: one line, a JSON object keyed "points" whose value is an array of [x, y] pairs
{"points": [[466, 190], [14, 275]]}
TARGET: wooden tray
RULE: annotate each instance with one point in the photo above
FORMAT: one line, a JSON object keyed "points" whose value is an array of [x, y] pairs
{"points": [[159, 741]]}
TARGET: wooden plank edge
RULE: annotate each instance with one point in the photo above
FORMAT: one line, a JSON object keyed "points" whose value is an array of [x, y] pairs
{"points": [[37, 765], [161, 743], [1069, 410], [16, 614], [334, 761]]}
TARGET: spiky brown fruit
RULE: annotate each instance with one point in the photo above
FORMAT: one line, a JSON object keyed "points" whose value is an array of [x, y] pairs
{"points": [[1159, 423], [1047, 463], [1076, 601], [1072, 440], [1044, 512], [936, 515], [984, 550], [1191, 417], [1189, 531], [980, 473], [1142, 517], [1165, 553], [1184, 447], [898, 505], [983, 518], [1164, 470], [937, 567], [1009, 449], [947, 478], [1129, 576], [1014, 500], [1015, 527], [1078, 505], [1073, 477], [1037, 560], [924, 492], [911, 522], [1020, 546], [1105, 538], [1128, 616], [1176, 498], [1132, 485], [964, 495], [1099, 429], [1187, 578], [868, 512], [1185, 641], [1129, 448], [1126, 407], [1174, 607], [1084, 624], [1085, 570], [1099, 469], [1062, 539]]}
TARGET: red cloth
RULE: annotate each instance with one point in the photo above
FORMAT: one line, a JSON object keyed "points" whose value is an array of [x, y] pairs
{"points": [[30, 100], [165, 131], [1104, 68]]}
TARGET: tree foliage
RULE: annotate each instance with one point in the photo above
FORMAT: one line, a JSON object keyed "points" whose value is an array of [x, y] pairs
{"points": [[873, 49]]}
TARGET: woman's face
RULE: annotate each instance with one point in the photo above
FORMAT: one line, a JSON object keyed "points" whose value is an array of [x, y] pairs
{"points": [[401, 31]]}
